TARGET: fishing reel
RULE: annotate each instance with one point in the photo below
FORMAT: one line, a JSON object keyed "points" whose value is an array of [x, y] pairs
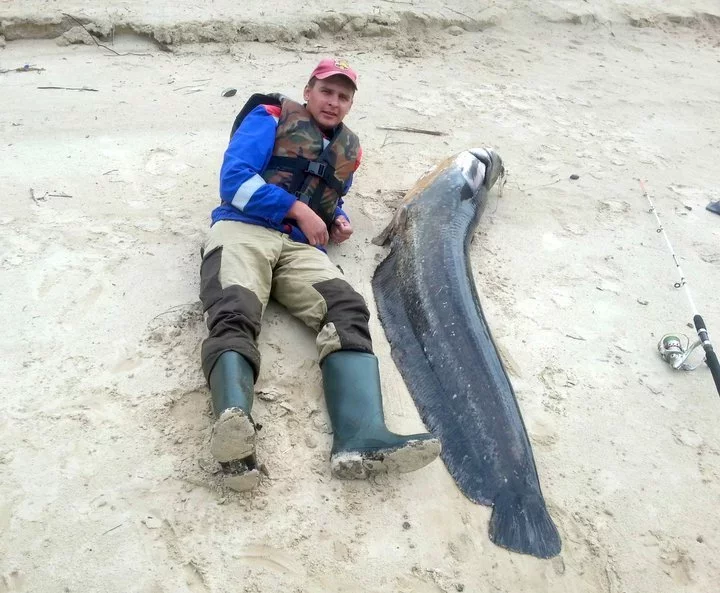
{"points": [[675, 353]]}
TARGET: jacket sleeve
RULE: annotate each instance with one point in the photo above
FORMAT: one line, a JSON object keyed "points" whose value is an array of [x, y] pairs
{"points": [[339, 209], [246, 157]]}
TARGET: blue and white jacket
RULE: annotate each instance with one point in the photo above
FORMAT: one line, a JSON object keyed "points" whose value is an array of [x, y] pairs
{"points": [[244, 194]]}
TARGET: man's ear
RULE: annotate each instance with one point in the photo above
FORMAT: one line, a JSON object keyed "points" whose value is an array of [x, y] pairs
{"points": [[306, 93]]}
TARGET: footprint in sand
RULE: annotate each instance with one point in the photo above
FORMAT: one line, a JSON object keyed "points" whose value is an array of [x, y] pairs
{"points": [[163, 161], [165, 166], [375, 210], [610, 211], [562, 298], [586, 553], [557, 382], [707, 463], [6, 508], [87, 288], [269, 558], [126, 366], [13, 582], [462, 548], [542, 434], [687, 437], [573, 230], [678, 562], [709, 256], [189, 410], [194, 578]]}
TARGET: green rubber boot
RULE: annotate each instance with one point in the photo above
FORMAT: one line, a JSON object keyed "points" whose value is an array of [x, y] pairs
{"points": [[362, 444], [233, 435]]}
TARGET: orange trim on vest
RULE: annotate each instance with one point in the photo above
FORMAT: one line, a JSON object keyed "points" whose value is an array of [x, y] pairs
{"points": [[273, 110]]}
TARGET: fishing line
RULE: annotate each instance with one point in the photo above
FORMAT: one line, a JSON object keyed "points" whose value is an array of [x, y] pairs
{"points": [[670, 345]]}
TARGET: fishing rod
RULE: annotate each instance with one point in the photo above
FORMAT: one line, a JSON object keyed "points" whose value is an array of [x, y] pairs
{"points": [[670, 345]]}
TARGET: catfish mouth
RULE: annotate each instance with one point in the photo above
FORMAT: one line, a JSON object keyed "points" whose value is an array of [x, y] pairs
{"points": [[480, 154], [492, 163]]}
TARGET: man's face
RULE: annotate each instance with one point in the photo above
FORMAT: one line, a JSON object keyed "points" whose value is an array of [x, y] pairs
{"points": [[329, 100]]}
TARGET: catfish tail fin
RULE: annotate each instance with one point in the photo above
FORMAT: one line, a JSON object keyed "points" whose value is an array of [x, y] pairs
{"points": [[520, 522]]}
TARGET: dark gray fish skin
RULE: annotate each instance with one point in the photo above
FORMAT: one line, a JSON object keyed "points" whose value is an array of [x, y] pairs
{"points": [[431, 313]]}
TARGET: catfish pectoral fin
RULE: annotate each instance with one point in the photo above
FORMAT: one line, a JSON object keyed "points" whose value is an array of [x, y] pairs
{"points": [[384, 236], [396, 224], [520, 522]]}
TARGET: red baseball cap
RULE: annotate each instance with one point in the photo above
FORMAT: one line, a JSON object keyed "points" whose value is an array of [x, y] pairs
{"points": [[332, 67]]}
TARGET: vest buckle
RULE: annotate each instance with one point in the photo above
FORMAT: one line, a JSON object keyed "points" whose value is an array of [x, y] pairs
{"points": [[316, 168]]}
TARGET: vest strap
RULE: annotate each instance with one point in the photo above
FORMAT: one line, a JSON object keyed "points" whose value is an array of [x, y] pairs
{"points": [[300, 167]]}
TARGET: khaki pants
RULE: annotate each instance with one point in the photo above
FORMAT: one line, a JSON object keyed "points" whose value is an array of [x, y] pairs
{"points": [[244, 265]]}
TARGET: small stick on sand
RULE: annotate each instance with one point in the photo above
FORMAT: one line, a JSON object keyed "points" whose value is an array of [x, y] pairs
{"points": [[69, 88], [25, 68], [411, 130]]}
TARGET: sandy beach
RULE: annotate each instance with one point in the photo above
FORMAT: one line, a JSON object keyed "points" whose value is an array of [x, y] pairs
{"points": [[108, 179]]}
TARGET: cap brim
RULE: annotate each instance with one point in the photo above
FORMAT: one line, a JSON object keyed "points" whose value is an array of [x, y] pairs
{"points": [[338, 73]]}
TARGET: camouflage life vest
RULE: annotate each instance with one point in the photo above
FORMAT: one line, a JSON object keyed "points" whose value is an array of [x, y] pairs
{"points": [[300, 164]]}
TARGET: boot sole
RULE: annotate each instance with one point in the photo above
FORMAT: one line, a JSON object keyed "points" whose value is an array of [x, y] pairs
{"points": [[233, 436], [243, 482], [359, 465], [241, 476]]}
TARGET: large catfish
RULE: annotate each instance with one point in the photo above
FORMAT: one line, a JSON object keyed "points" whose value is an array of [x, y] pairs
{"points": [[440, 341]]}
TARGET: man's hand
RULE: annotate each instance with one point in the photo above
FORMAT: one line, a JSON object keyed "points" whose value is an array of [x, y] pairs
{"points": [[341, 229], [310, 223]]}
